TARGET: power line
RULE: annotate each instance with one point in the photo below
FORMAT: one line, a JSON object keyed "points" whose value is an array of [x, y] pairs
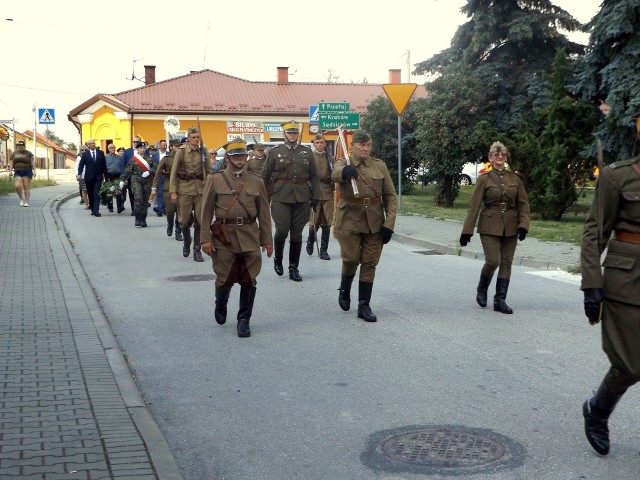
{"points": [[44, 90]]}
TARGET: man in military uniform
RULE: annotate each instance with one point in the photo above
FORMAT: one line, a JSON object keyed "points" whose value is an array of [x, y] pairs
{"points": [[256, 161], [364, 221], [501, 200], [188, 173], [141, 170], [612, 296], [164, 172], [287, 173], [237, 199], [323, 215]]}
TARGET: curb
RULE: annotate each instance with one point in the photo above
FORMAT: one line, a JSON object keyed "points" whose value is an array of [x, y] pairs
{"points": [[159, 452]]}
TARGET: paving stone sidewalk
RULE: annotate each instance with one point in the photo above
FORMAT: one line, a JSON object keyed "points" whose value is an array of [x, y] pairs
{"points": [[69, 408]]}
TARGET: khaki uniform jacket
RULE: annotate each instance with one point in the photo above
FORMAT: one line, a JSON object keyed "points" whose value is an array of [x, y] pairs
{"points": [[164, 170], [617, 206], [287, 173], [324, 174], [488, 195], [361, 218], [255, 164], [217, 198], [188, 162]]}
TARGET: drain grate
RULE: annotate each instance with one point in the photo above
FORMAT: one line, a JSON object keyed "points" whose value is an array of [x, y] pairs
{"points": [[193, 278], [428, 252], [442, 448]]}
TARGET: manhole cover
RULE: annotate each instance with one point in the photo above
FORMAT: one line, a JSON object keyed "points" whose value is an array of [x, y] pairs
{"points": [[442, 448], [428, 252], [193, 278]]}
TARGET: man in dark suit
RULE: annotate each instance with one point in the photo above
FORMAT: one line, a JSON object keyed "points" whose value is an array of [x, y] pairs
{"points": [[95, 165], [128, 155]]}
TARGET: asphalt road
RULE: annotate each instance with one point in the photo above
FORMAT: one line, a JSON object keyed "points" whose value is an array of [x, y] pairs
{"points": [[314, 391]]}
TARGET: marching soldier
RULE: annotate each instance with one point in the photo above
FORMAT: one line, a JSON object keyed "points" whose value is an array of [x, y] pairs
{"points": [[256, 162], [236, 199], [164, 171], [187, 178], [364, 223], [503, 220], [287, 172], [613, 295], [323, 216], [141, 169]]}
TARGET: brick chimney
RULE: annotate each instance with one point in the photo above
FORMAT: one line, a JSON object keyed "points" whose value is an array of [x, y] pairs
{"points": [[394, 75], [149, 74], [283, 75]]}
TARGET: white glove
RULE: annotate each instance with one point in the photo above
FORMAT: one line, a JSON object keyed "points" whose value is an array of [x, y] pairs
{"points": [[121, 185], [145, 174]]}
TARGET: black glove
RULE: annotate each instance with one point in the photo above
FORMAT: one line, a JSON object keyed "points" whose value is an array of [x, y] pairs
{"points": [[385, 234], [522, 233], [349, 172], [314, 203], [592, 302], [465, 238]]}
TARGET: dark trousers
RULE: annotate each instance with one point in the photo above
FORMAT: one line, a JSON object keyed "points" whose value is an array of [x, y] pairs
{"points": [[93, 187], [119, 199]]}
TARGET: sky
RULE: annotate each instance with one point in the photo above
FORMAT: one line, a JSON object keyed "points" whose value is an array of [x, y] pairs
{"points": [[59, 54]]}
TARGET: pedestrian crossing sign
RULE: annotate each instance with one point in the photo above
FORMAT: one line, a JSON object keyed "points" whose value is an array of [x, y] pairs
{"points": [[47, 116]]}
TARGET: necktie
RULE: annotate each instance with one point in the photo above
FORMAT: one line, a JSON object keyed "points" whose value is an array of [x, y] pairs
{"points": [[93, 155]]}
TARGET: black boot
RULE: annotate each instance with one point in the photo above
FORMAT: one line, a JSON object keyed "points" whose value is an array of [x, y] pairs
{"points": [[247, 296], [143, 218], [222, 297], [499, 305], [137, 215], [344, 297], [324, 243], [483, 286], [596, 413], [278, 253], [186, 245], [197, 253], [294, 257], [311, 240], [169, 224], [178, 231], [364, 296]]}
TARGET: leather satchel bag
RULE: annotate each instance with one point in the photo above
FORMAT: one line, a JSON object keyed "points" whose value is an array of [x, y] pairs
{"points": [[219, 231]]}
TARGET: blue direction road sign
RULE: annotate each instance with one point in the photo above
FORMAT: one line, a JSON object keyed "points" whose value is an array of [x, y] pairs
{"points": [[46, 116]]}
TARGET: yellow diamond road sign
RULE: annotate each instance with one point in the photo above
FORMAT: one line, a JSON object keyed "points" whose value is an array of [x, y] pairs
{"points": [[399, 94]]}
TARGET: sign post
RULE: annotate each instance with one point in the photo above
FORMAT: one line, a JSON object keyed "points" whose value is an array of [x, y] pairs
{"points": [[399, 95]]}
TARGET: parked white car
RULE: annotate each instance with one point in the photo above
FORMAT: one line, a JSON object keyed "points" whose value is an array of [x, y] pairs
{"points": [[471, 171]]}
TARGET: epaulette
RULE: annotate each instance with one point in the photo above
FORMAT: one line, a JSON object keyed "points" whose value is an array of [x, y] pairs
{"points": [[623, 163], [253, 173]]}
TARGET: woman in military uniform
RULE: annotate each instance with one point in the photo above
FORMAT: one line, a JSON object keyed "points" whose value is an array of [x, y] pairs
{"points": [[613, 296], [24, 169], [364, 222], [236, 199], [141, 170], [323, 215], [501, 200]]}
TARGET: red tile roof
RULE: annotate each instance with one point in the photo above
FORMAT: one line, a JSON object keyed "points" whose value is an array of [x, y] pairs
{"points": [[208, 91]]}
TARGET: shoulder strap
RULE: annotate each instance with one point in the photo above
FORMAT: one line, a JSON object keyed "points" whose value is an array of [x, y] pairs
{"points": [[235, 193]]}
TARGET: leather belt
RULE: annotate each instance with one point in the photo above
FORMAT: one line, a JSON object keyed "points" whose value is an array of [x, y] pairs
{"points": [[325, 180], [502, 206], [236, 220], [629, 237], [292, 180], [362, 200], [186, 176]]}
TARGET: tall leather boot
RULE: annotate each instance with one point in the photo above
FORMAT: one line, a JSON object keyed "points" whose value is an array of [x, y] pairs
{"points": [[324, 243], [483, 286], [278, 253], [344, 297], [137, 216], [311, 240], [222, 297], [499, 305], [294, 258], [596, 413], [247, 296], [364, 296], [143, 218], [197, 250], [186, 245], [169, 224], [178, 231]]}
